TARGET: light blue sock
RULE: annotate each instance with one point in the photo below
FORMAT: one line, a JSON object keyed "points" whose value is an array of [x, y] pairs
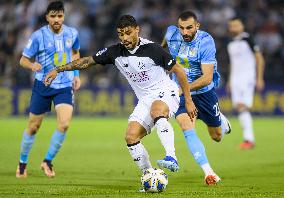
{"points": [[196, 147], [26, 145], [55, 144]]}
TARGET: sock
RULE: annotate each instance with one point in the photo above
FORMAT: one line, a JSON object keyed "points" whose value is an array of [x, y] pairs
{"points": [[246, 123], [224, 124], [166, 134], [27, 143], [197, 149], [55, 144], [140, 156]]}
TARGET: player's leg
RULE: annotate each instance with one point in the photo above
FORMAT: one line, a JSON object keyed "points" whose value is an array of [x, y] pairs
{"points": [[242, 98], [134, 133], [160, 114], [39, 104], [246, 122], [194, 144], [63, 102], [27, 143], [209, 113]]}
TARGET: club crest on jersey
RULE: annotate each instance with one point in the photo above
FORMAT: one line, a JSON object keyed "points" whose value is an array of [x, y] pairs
{"points": [[68, 43], [101, 52], [192, 52]]}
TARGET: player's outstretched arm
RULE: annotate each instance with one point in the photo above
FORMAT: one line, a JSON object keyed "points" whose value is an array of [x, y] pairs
{"points": [[78, 64], [191, 109]]}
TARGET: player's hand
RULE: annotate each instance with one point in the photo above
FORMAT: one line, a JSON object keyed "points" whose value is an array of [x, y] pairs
{"points": [[260, 85], [191, 109], [76, 83], [50, 77], [36, 67]]}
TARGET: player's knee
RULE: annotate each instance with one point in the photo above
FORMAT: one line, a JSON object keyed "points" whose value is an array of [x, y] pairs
{"points": [[63, 126], [33, 128], [217, 137], [131, 139]]}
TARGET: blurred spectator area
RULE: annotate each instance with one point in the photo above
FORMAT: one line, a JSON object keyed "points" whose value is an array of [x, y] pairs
{"points": [[95, 20]]}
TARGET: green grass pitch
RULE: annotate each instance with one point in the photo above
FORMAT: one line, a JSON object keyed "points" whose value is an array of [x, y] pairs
{"points": [[94, 162]]}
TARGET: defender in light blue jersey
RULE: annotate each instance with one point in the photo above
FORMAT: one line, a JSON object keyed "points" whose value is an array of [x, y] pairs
{"points": [[195, 51], [50, 46]]}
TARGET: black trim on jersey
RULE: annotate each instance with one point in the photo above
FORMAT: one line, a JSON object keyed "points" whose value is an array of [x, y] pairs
{"points": [[251, 43], [151, 50]]}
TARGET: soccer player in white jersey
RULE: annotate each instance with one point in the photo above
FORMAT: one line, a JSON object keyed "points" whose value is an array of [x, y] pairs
{"points": [[195, 50], [144, 64], [246, 74], [49, 47]]}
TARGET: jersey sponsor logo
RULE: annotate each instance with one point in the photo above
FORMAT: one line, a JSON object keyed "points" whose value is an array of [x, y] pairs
{"points": [[138, 77], [183, 61], [56, 59], [29, 43], [101, 52]]}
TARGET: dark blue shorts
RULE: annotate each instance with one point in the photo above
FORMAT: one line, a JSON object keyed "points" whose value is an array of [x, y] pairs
{"points": [[43, 96], [207, 106]]}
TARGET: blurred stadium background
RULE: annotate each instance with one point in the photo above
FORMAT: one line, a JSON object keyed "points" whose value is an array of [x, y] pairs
{"points": [[105, 93], [103, 87]]}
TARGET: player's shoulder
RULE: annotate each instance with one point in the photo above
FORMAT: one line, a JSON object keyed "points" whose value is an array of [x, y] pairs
{"points": [[171, 30], [205, 37], [71, 30]]}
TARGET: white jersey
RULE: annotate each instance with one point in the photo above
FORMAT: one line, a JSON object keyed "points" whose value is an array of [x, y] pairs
{"points": [[242, 59], [144, 67]]}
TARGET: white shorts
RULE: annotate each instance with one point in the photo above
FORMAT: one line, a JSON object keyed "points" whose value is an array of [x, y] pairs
{"points": [[243, 93], [141, 113]]}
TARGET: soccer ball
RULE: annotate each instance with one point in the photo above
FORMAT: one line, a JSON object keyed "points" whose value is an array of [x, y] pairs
{"points": [[154, 180]]}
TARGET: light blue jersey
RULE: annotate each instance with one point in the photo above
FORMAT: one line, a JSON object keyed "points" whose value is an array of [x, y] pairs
{"points": [[51, 50], [201, 50]]}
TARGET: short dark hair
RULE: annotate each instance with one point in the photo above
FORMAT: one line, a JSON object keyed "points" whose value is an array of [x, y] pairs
{"points": [[187, 14], [55, 6], [126, 21], [236, 18]]}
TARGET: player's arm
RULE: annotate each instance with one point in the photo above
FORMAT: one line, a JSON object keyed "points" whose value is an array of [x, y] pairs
{"points": [[27, 63], [260, 70], [79, 64], [181, 76], [205, 79]]}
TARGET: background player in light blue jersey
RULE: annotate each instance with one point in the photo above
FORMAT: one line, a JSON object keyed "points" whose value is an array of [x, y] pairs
{"points": [[52, 45], [195, 50]]}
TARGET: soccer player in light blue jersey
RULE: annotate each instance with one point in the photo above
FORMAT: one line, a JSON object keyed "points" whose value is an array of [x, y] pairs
{"points": [[195, 51], [50, 46]]}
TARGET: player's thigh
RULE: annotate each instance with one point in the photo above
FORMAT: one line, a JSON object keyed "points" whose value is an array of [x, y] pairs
{"points": [[165, 103], [63, 102], [141, 115], [34, 123], [135, 132], [185, 122]]}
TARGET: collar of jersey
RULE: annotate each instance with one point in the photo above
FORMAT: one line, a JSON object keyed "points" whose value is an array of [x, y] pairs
{"points": [[136, 48], [55, 33]]}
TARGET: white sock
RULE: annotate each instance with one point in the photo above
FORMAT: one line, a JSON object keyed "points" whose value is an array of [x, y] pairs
{"points": [[246, 123], [166, 134], [207, 169], [224, 124], [140, 156]]}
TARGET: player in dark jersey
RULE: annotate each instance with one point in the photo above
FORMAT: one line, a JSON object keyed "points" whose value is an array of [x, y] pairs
{"points": [[144, 65]]}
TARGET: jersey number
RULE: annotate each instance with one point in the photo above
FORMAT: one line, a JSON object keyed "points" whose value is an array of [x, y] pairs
{"points": [[217, 109], [183, 61]]}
